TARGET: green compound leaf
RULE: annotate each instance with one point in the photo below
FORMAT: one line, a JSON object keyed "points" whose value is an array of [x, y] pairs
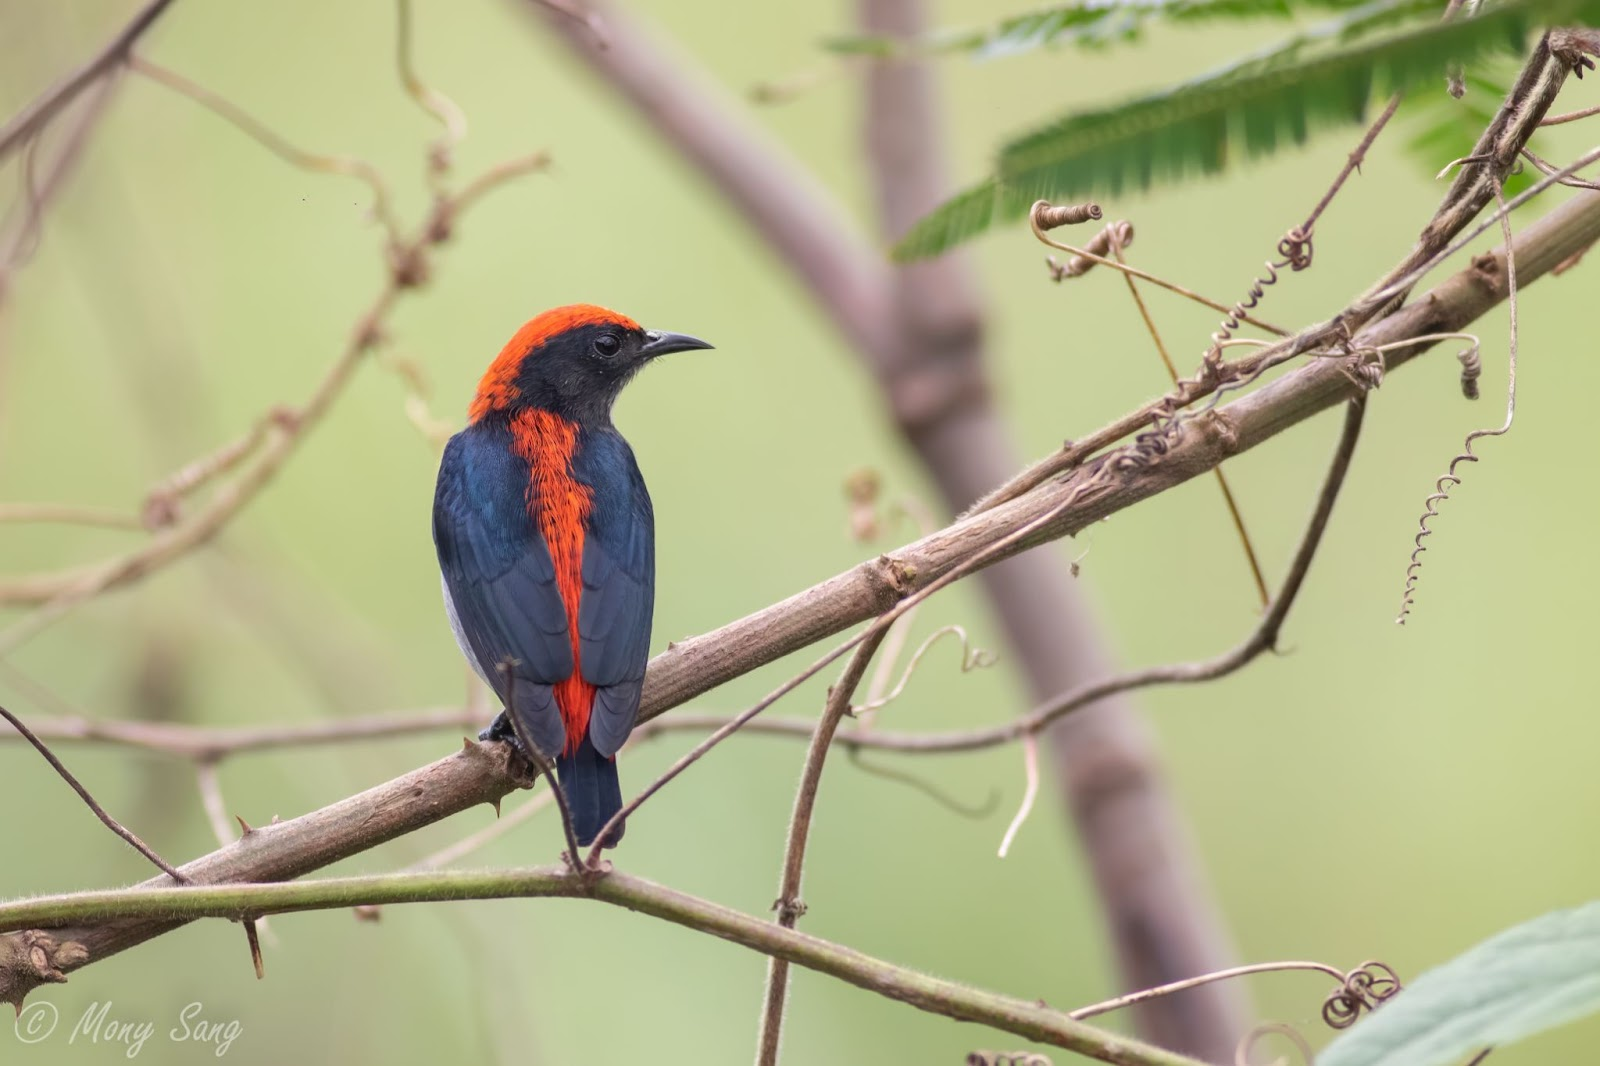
{"points": [[1092, 23], [1325, 76], [1529, 978]]}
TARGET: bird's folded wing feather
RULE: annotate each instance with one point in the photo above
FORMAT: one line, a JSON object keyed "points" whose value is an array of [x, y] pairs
{"points": [[502, 583], [618, 600]]}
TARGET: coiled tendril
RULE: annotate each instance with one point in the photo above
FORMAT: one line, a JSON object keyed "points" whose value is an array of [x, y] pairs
{"points": [[1294, 252]]}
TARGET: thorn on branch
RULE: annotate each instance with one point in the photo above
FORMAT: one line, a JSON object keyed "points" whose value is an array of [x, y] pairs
{"points": [[254, 937]]}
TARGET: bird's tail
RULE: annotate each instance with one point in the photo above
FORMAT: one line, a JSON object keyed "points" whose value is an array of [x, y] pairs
{"points": [[594, 794]]}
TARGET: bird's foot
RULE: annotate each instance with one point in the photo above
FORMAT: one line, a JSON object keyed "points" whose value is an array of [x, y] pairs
{"points": [[524, 767], [500, 729]]}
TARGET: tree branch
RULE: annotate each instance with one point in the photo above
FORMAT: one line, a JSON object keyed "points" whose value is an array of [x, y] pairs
{"points": [[788, 904], [214, 743], [1032, 1021], [100, 812], [480, 773], [698, 664], [31, 119], [279, 435]]}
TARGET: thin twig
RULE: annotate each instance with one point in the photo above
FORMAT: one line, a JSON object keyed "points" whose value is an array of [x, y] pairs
{"points": [[1170, 286], [971, 659], [1263, 638], [1132, 998], [263, 135], [58, 593], [21, 232], [1546, 167], [1245, 371], [976, 561], [99, 812], [428, 98], [788, 905], [205, 773], [448, 856], [1222, 479], [69, 514], [1356, 158], [1030, 792], [1570, 116], [214, 743], [31, 119]]}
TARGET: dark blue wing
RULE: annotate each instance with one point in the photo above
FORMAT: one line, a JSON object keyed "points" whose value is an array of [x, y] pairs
{"points": [[499, 581], [619, 581]]}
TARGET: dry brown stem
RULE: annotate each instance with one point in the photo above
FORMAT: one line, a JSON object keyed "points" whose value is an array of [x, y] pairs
{"points": [[788, 904], [30, 120]]}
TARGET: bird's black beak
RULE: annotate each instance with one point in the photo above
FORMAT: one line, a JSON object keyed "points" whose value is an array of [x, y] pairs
{"points": [[657, 342]]}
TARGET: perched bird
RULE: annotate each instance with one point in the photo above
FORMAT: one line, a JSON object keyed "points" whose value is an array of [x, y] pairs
{"points": [[546, 543]]}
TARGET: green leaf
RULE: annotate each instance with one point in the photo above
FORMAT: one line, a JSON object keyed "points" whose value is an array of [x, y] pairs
{"points": [[959, 219], [1252, 106], [1088, 23], [1321, 77], [1448, 128], [1529, 978]]}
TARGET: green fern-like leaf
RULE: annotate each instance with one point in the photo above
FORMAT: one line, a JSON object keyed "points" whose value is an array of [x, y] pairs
{"points": [[1084, 23], [959, 219], [1325, 76], [1447, 128]]}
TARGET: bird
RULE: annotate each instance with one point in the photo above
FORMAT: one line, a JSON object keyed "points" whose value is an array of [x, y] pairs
{"points": [[545, 534]]}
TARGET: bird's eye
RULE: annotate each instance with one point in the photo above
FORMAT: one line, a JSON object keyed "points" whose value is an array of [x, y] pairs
{"points": [[607, 344]]}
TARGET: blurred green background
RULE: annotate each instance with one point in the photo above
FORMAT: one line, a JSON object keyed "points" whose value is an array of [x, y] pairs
{"points": [[1376, 792]]}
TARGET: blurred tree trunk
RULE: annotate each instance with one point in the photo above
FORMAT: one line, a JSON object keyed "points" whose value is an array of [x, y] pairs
{"points": [[1159, 913]]}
